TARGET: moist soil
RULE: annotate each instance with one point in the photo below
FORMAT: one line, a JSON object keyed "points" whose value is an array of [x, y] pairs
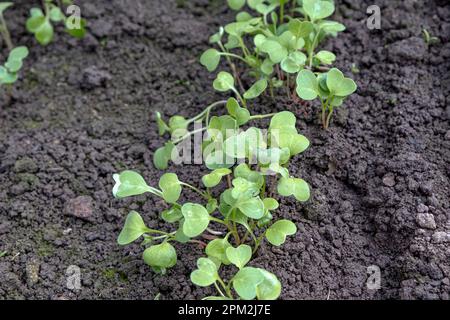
{"points": [[83, 110]]}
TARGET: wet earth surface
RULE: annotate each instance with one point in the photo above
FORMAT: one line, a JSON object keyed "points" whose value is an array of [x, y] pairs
{"points": [[83, 110]]}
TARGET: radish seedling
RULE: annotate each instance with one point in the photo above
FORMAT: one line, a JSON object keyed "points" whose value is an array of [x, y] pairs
{"points": [[243, 210], [40, 22], [331, 88], [9, 71]]}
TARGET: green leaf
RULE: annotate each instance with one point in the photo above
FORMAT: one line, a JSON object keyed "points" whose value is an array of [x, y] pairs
{"points": [[76, 31], [325, 57], [283, 119], [56, 14], [129, 183], [242, 115], [239, 256], [294, 62], [307, 85], [213, 179], [224, 82], [13, 65], [300, 29], [133, 229], [294, 187], [7, 77], [211, 206], [171, 215], [271, 204], [275, 50], [162, 126], [289, 138], [245, 282], [179, 235], [178, 126], [267, 67], [236, 4], [196, 219], [4, 6], [217, 248], [338, 84], [18, 53], [256, 89], [206, 274], [210, 59], [270, 288], [170, 187], [318, 9], [160, 256], [277, 232], [331, 27], [252, 208], [163, 155]]}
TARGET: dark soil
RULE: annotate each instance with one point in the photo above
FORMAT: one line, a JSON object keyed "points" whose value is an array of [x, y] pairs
{"points": [[83, 111]]}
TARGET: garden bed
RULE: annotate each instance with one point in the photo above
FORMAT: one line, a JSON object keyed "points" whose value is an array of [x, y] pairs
{"points": [[380, 176]]}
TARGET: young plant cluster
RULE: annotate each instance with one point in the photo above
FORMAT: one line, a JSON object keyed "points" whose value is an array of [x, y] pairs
{"points": [[248, 166], [40, 24], [278, 49], [243, 210]]}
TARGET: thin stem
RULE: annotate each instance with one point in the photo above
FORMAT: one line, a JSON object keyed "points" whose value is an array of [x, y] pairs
{"points": [[282, 11], [227, 289], [5, 33], [201, 114], [330, 114], [239, 97], [166, 234], [262, 116], [218, 289], [232, 65], [218, 221], [233, 56], [187, 135], [203, 194]]}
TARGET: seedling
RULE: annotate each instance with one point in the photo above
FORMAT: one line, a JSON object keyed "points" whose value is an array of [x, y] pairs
{"points": [[332, 88], [3, 26], [429, 40], [243, 210], [40, 22], [9, 72], [3, 253]]}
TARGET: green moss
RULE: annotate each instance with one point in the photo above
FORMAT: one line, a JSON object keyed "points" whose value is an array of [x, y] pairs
{"points": [[112, 273]]}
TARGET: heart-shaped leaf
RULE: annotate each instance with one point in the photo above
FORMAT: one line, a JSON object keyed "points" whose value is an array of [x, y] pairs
{"points": [[270, 288], [213, 179], [196, 219], [170, 187], [294, 187], [307, 85], [217, 248], [252, 208], [160, 256], [210, 59], [239, 256], [129, 183], [206, 274], [300, 29], [318, 9], [288, 138], [223, 82], [294, 62], [277, 232], [246, 281], [338, 84], [256, 89], [18, 53], [134, 228], [282, 119], [271, 204], [242, 115]]}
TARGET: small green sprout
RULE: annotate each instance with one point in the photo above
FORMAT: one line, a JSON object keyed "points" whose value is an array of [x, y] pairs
{"points": [[3, 253], [332, 88], [9, 72], [243, 211], [40, 22], [4, 31], [429, 40]]}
